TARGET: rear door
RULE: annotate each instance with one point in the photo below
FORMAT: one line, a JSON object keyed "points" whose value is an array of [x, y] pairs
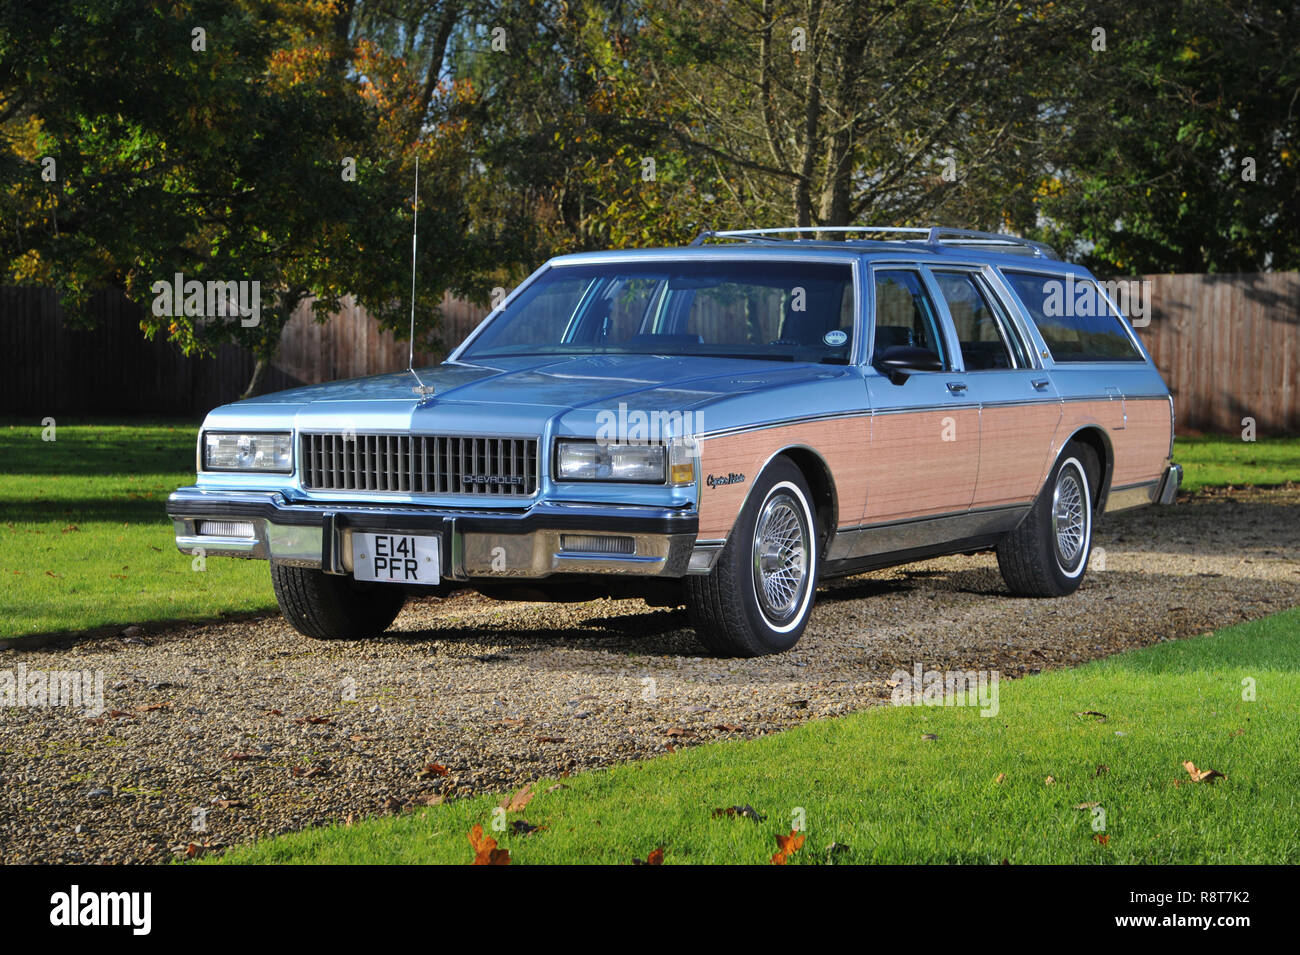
{"points": [[1020, 409]]}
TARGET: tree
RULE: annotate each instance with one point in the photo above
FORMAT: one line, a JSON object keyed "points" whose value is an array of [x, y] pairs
{"points": [[829, 112], [1183, 141], [228, 142]]}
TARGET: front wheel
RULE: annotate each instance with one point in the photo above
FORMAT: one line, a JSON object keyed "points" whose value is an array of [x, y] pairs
{"points": [[1047, 554], [331, 607], [759, 595]]}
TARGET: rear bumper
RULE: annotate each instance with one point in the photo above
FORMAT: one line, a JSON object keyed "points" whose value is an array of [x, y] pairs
{"points": [[1163, 490], [545, 539], [1170, 481]]}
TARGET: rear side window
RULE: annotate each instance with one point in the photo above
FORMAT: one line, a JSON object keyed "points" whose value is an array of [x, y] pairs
{"points": [[1073, 317], [986, 340]]}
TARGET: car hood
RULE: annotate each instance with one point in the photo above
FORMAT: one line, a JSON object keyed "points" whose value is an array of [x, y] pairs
{"points": [[521, 394]]}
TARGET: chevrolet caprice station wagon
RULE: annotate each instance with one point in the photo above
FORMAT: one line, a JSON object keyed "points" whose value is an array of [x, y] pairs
{"points": [[720, 426]]}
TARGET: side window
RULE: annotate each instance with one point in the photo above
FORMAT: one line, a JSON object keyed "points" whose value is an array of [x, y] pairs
{"points": [[987, 342], [904, 313], [1073, 317]]}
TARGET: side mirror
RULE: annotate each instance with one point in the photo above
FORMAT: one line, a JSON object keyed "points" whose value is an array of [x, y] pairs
{"points": [[899, 361]]}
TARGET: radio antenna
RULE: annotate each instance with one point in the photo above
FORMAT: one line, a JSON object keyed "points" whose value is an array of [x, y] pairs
{"points": [[420, 387]]}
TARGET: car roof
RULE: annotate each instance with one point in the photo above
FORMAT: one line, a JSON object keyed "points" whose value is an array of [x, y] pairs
{"points": [[867, 252]]}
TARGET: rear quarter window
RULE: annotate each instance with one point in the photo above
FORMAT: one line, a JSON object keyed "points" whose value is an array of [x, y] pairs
{"points": [[1074, 318]]}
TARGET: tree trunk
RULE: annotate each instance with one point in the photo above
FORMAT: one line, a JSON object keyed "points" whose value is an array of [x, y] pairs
{"points": [[259, 375]]}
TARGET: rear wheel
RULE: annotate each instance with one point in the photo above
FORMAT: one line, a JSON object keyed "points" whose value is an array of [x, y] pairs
{"points": [[331, 607], [759, 595], [1046, 556]]}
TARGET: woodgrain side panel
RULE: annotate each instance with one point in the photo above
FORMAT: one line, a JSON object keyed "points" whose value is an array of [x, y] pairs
{"points": [[1016, 443], [921, 462], [1142, 448], [1139, 448], [842, 442]]}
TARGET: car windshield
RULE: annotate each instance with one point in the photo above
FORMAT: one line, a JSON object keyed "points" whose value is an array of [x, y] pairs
{"points": [[768, 310]]}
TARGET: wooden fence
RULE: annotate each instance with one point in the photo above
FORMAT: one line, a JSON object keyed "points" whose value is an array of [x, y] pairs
{"points": [[1229, 346]]}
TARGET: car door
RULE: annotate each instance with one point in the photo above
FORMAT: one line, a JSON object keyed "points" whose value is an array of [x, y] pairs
{"points": [[925, 429], [1020, 409]]}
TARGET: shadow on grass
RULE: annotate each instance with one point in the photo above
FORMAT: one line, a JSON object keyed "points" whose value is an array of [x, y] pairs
{"points": [[115, 509]]}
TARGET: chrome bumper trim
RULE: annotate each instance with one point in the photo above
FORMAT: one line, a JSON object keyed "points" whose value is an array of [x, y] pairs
{"points": [[511, 544], [1169, 484]]}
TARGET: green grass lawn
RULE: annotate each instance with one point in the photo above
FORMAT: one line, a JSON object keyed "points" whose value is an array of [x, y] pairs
{"points": [[1214, 460], [85, 540], [869, 781]]}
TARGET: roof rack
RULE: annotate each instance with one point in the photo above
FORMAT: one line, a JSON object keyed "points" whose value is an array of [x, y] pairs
{"points": [[935, 237]]}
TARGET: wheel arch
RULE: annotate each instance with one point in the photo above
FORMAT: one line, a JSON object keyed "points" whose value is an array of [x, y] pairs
{"points": [[1096, 438], [817, 472]]}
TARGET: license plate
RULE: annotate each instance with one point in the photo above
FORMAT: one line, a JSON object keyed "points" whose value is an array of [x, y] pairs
{"points": [[396, 558]]}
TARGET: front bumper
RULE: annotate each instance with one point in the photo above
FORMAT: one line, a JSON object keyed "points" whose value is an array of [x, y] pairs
{"points": [[545, 539]]}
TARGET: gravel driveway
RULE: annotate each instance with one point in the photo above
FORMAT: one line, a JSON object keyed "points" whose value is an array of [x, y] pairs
{"points": [[268, 732]]}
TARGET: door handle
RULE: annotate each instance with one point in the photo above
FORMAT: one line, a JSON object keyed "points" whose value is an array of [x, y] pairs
{"points": [[1040, 383], [956, 387]]}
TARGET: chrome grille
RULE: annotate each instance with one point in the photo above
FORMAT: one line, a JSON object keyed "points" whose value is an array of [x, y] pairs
{"points": [[419, 464]]}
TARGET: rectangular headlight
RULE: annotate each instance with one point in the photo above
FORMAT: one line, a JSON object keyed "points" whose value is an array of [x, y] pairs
{"points": [[598, 461], [259, 451]]}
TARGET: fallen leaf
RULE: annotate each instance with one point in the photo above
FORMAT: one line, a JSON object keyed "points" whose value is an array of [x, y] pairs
{"points": [[729, 728], [1087, 805], [485, 849], [275, 712], [1049, 780], [192, 850], [312, 720], [679, 731], [153, 707], [835, 849], [787, 846], [744, 812], [548, 739], [1001, 777], [510, 722], [305, 772], [656, 857], [228, 803], [519, 800], [1102, 770], [1102, 839], [557, 786], [431, 799], [433, 769], [1202, 775]]}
